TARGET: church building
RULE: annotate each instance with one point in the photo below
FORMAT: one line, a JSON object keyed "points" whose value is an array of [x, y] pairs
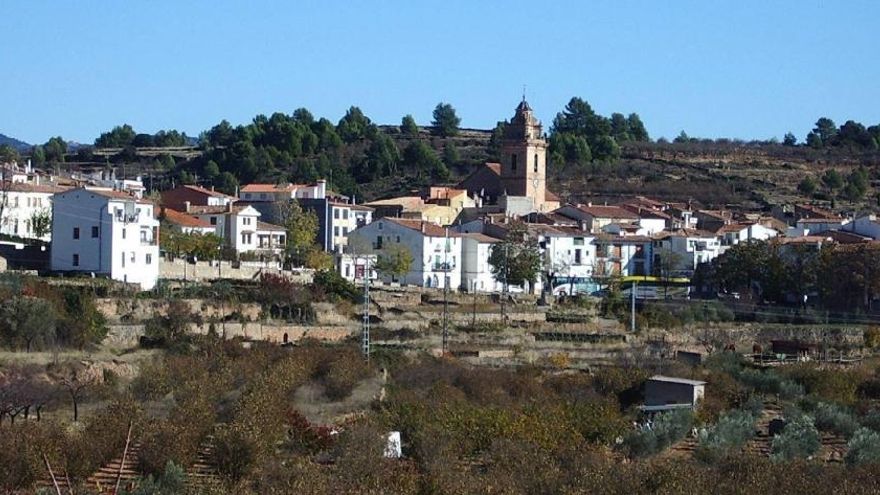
{"points": [[519, 182]]}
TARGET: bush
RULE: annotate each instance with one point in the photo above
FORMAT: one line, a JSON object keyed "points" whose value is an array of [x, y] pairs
{"points": [[667, 428], [730, 433], [835, 419], [333, 287], [235, 454], [863, 447], [799, 439]]}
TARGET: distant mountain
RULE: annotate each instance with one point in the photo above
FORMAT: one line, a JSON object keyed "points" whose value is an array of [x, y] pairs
{"points": [[15, 143]]}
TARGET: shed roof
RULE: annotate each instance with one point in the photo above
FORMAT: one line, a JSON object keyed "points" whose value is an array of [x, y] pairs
{"points": [[672, 379]]}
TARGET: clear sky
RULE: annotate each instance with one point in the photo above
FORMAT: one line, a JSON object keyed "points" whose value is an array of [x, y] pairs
{"points": [[748, 69]]}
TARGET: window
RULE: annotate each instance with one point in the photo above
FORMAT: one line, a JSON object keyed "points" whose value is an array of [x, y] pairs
{"points": [[75, 260], [536, 163], [262, 195], [379, 242], [344, 230], [213, 220], [513, 162], [246, 220], [95, 231], [335, 231], [123, 259], [132, 257], [123, 232], [380, 225], [345, 214], [398, 239], [577, 257], [76, 232], [578, 241], [335, 212], [149, 259], [245, 238]]}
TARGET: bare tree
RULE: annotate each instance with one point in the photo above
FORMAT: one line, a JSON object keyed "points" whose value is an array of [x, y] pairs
{"points": [[76, 382]]}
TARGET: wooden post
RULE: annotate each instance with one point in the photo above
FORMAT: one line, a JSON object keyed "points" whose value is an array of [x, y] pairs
{"points": [[52, 475], [122, 464]]}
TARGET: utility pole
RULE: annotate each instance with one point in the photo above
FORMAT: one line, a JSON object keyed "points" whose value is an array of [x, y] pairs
{"points": [[365, 330], [446, 295], [506, 287], [632, 321]]}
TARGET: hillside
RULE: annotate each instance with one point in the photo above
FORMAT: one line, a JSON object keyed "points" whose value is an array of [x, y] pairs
{"points": [[19, 145]]}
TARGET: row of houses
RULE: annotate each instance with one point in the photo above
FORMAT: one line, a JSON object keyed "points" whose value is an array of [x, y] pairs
{"points": [[106, 227]]}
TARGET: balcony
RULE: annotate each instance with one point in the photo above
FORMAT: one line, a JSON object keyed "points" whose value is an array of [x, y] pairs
{"points": [[443, 267]]}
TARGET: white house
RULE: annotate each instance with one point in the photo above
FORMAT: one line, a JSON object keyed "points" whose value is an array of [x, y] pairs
{"points": [[866, 225], [283, 192], [436, 250], [570, 257], [105, 232], [23, 205], [734, 233], [622, 255], [807, 226], [186, 223], [476, 273], [344, 219], [241, 229], [692, 247], [352, 267]]}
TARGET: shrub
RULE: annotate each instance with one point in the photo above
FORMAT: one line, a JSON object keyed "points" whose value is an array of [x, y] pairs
{"points": [[789, 390], [863, 447], [666, 429], [235, 453], [872, 337], [332, 286], [799, 439], [836, 419], [730, 433]]}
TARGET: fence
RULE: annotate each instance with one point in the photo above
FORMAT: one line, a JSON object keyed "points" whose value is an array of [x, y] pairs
{"points": [[179, 269]]}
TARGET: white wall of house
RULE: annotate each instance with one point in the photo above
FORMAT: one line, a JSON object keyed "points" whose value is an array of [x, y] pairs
{"points": [[109, 236], [651, 226], [755, 232], [867, 225], [353, 267], [814, 226], [18, 209], [432, 262], [344, 219], [476, 273], [620, 256], [242, 228], [693, 250]]}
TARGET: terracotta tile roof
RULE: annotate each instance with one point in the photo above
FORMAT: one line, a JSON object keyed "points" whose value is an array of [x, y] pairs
{"points": [[622, 239], [844, 237], [719, 214], [495, 167], [684, 233], [269, 226], [733, 227], [820, 220], [111, 194], [817, 212], [183, 219], [804, 239], [550, 196], [481, 238], [29, 187], [207, 210], [607, 212], [407, 202], [351, 206], [208, 192], [430, 229], [271, 188]]}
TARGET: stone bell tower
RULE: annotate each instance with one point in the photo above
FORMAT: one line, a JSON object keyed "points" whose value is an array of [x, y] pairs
{"points": [[524, 157]]}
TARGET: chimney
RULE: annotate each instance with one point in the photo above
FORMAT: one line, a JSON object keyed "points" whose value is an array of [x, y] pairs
{"points": [[229, 207], [584, 225], [186, 205], [423, 227], [589, 204]]}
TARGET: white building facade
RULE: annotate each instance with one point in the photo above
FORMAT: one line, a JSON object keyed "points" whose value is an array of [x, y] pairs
{"points": [[105, 232]]}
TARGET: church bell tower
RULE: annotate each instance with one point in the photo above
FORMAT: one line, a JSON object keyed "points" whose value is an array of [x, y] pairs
{"points": [[524, 157]]}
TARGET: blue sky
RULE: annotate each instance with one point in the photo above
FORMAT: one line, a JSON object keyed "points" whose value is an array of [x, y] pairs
{"points": [[748, 69]]}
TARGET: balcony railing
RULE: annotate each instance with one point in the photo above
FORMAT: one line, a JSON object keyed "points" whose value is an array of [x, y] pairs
{"points": [[443, 267]]}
